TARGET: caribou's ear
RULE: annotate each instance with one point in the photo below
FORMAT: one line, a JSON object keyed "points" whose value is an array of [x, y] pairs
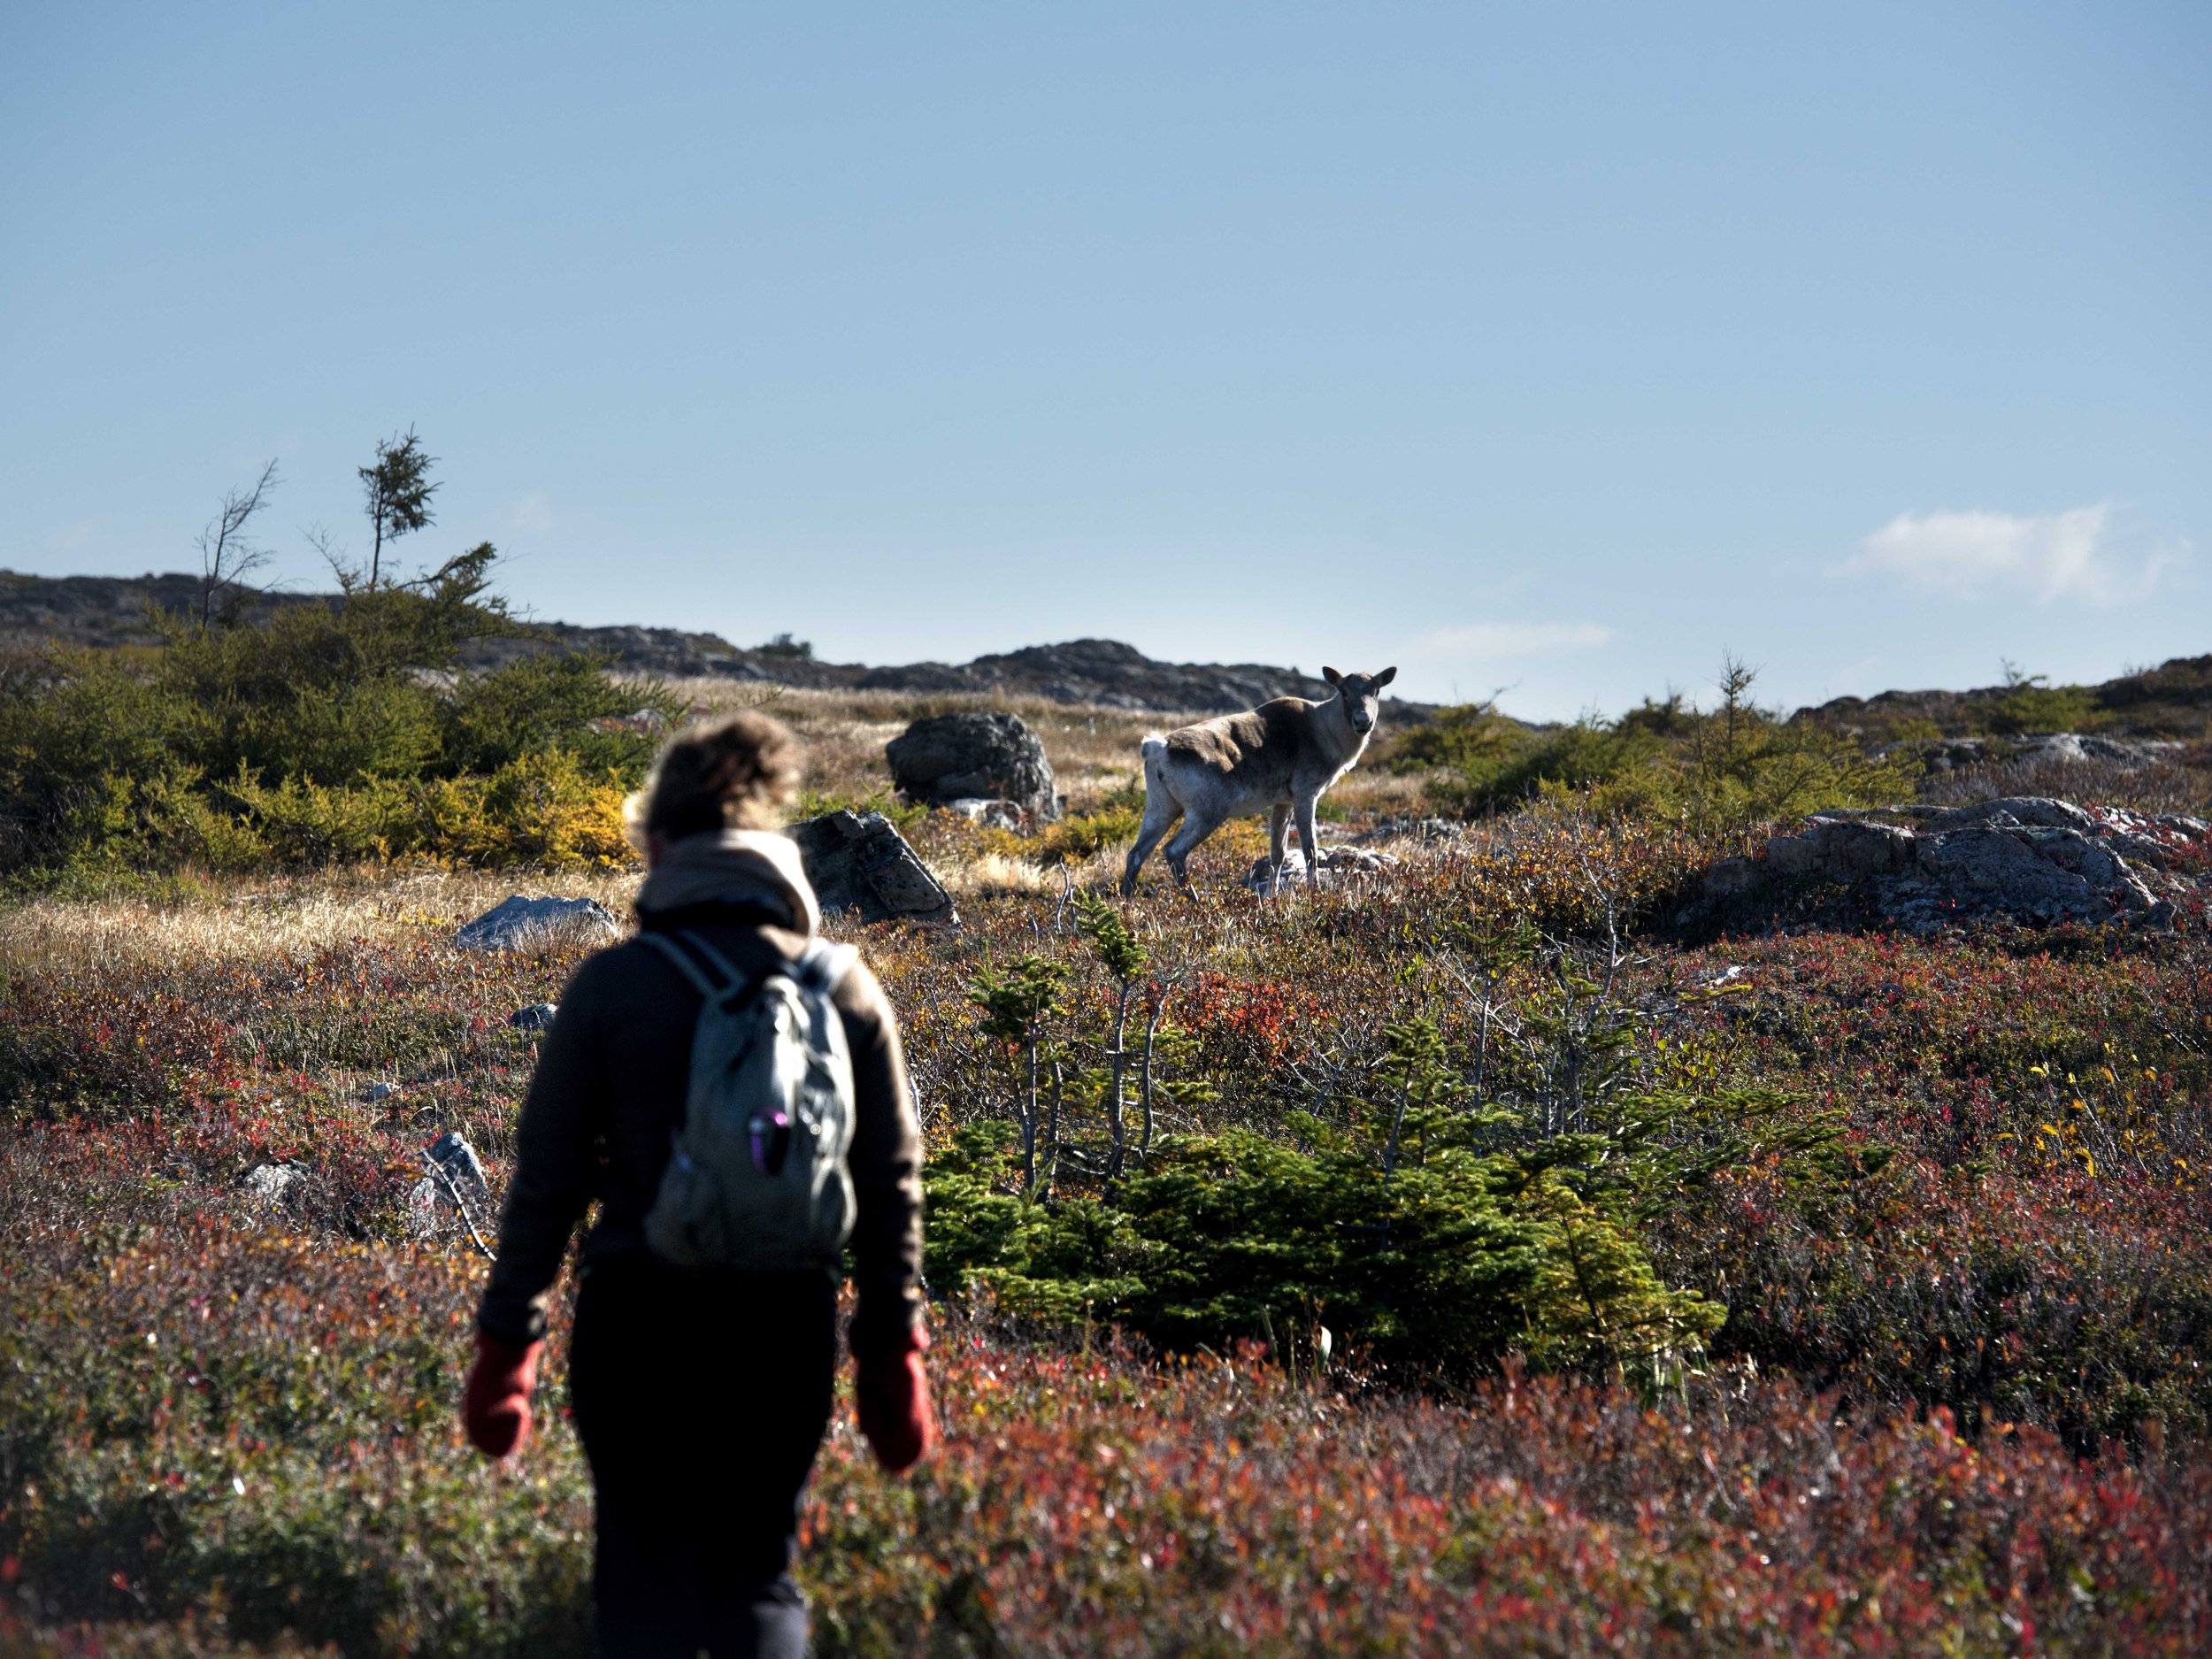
{"points": [[1385, 678], [1332, 677]]}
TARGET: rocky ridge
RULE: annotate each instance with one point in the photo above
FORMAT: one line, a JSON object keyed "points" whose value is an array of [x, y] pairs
{"points": [[106, 612], [2031, 859]]}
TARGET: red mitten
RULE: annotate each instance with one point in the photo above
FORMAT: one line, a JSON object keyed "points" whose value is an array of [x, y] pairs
{"points": [[892, 1392], [496, 1404]]}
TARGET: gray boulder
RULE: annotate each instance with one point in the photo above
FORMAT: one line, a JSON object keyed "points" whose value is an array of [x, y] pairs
{"points": [[273, 1182], [859, 861], [1843, 848], [974, 754], [1001, 815], [520, 922], [537, 1016], [1733, 876], [1333, 862], [2005, 872], [1412, 829], [452, 1153]]}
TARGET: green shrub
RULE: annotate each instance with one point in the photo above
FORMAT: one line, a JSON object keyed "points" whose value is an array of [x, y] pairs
{"points": [[1718, 772], [1436, 1268], [905, 814], [1081, 836], [1463, 738], [319, 734], [2030, 703], [1411, 1231]]}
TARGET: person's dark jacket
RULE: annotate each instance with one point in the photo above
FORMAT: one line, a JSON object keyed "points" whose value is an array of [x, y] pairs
{"points": [[609, 1092]]}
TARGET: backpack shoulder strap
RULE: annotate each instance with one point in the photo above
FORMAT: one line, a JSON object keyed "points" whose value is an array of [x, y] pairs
{"points": [[713, 979], [822, 966], [731, 978]]}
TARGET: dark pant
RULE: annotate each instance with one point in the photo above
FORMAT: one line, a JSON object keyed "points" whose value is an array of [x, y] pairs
{"points": [[701, 1398]]}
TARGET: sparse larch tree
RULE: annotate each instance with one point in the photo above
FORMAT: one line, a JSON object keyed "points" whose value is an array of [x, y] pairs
{"points": [[227, 552]]}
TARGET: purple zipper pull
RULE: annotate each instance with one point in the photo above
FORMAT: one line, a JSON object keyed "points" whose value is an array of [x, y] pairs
{"points": [[772, 1140]]}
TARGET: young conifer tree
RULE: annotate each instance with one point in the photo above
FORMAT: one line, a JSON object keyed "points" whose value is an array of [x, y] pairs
{"points": [[396, 492]]}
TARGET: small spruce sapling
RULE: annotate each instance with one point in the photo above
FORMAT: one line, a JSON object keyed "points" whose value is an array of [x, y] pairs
{"points": [[1015, 1001], [1125, 958], [396, 492]]}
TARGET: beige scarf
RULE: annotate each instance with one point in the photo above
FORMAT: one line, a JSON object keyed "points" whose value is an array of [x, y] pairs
{"points": [[733, 867]]}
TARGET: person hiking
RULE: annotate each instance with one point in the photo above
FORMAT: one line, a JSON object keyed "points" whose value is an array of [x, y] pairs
{"points": [[701, 1391]]}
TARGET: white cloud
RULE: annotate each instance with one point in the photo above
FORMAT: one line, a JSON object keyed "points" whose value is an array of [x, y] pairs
{"points": [[1496, 642], [2044, 555]]}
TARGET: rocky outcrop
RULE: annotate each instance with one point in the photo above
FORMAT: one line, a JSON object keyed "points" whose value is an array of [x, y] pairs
{"points": [[857, 862], [974, 756], [2050, 749], [1113, 675], [2023, 858]]}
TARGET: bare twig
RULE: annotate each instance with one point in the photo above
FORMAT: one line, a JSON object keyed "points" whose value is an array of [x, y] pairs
{"points": [[438, 1173]]}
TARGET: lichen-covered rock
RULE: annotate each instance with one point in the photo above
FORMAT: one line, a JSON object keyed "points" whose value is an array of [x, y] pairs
{"points": [[273, 1182], [859, 861], [521, 921]]}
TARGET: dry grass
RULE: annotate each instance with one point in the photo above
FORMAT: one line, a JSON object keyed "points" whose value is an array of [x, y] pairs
{"points": [[284, 916], [2181, 782], [993, 875]]}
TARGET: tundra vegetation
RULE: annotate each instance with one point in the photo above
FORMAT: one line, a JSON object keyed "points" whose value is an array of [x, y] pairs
{"points": [[1462, 1261]]}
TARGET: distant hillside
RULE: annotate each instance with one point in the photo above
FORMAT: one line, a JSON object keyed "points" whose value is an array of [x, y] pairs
{"points": [[2173, 700], [109, 610], [106, 611]]}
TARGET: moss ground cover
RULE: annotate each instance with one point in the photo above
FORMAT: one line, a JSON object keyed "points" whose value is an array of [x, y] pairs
{"points": [[1838, 1292]]}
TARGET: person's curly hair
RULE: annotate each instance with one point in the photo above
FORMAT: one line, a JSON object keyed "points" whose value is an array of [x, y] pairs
{"points": [[740, 772]]}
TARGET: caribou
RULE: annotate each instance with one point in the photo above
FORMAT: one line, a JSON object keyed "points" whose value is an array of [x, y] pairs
{"points": [[1277, 758]]}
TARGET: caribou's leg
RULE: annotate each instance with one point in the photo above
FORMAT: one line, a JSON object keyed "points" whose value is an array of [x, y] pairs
{"points": [[1161, 810], [1185, 841], [1309, 841], [1278, 841]]}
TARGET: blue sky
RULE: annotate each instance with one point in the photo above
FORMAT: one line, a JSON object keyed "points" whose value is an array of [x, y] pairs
{"points": [[1555, 348]]}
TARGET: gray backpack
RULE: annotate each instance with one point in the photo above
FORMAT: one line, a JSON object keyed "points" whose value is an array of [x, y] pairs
{"points": [[757, 1179]]}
